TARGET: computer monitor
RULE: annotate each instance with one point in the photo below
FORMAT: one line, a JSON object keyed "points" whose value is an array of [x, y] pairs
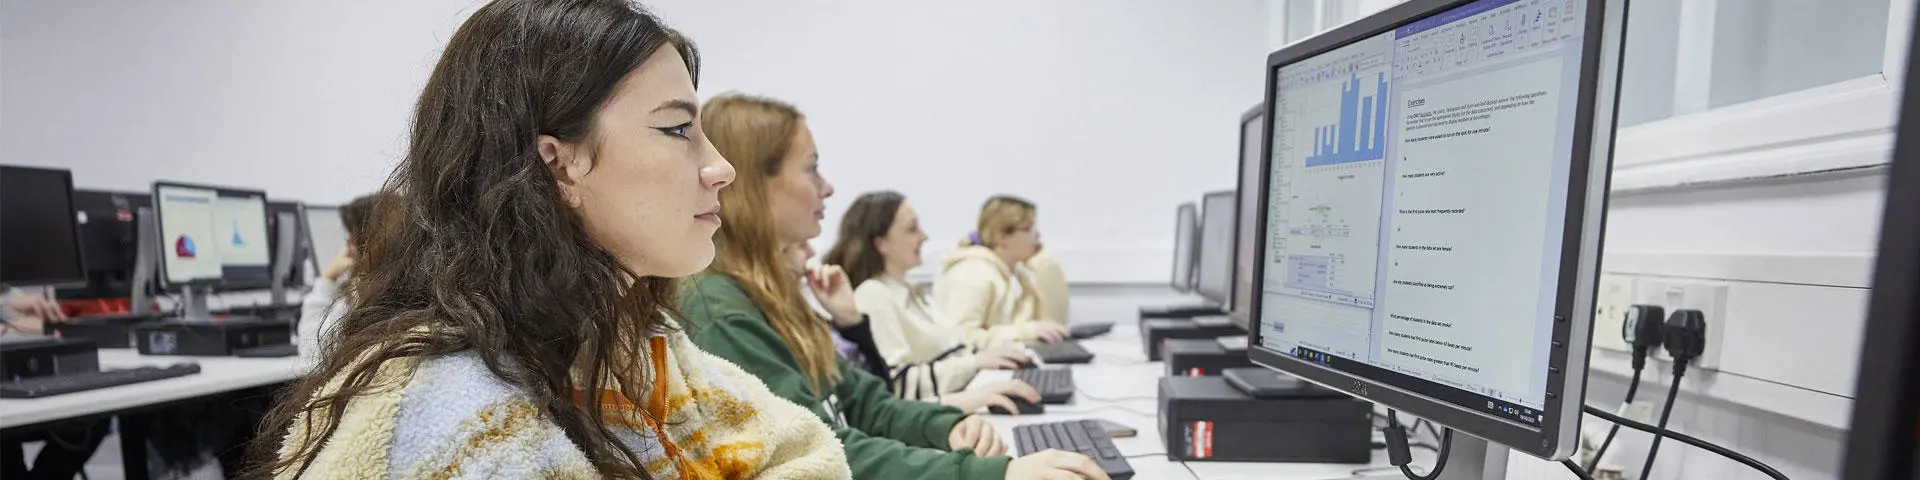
{"points": [[42, 241], [301, 246], [1435, 186], [1214, 280], [327, 231], [1247, 203], [1884, 438], [108, 241], [212, 237], [1186, 237]]}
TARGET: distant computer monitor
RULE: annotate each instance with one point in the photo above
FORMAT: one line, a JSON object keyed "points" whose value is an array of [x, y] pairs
{"points": [[1186, 239], [108, 241], [327, 231], [212, 236], [1436, 183], [1884, 439], [297, 271], [1214, 279], [41, 244], [1247, 203]]}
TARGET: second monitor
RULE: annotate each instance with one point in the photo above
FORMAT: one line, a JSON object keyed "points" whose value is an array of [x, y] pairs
{"points": [[211, 238]]}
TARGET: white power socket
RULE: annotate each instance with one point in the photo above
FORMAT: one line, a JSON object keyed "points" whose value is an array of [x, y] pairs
{"points": [[1610, 304], [1709, 297]]}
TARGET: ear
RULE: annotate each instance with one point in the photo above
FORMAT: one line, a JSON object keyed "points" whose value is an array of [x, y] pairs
{"points": [[567, 164]]}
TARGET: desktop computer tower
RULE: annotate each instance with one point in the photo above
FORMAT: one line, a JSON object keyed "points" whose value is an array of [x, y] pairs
{"points": [[1208, 419], [41, 356], [213, 338], [108, 331], [1196, 357], [1154, 333]]}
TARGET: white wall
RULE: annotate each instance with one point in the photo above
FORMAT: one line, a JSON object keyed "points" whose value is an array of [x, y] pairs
{"points": [[1105, 113]]}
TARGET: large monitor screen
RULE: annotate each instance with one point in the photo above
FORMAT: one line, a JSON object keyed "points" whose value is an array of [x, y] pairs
{"points": [[1215, 277], [211, 234], [1246, 236], [1417, 217], [43, 243]]}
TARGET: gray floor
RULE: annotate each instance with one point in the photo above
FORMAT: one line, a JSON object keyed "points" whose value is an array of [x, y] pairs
{"points": [[1091, 303]]}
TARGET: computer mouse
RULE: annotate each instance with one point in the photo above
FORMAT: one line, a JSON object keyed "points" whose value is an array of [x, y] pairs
{"points": [[1026, 408]]}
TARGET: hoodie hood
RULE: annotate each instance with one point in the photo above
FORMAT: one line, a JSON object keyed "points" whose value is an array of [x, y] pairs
{"points": [[974, 253]]}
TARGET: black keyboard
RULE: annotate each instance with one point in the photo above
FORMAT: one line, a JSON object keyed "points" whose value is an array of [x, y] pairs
{"points": [[1061, 353], [1089, 330], [1055, 384], [1085, 437], [48, 386], [275, 350]]}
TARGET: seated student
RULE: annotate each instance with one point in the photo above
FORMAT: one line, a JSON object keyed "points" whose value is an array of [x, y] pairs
{"points": [[747, 310], [1049, 283], [879, 240], [510, 315], [982, 288], [852, 336], [321, 309]]}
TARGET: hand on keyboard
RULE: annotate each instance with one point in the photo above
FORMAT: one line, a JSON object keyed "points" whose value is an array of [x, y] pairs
{"points": [[1055, 464], [995, 394], [975, 433], [1051, 332], [1004, 357]]}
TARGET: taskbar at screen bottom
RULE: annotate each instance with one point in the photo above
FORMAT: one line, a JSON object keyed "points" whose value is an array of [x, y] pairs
{"points": [[1496, 407]]}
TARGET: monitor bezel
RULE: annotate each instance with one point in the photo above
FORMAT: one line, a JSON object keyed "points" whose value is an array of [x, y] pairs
{"points": [[163, 276], [73, 225], [1225, 299], [1558, 436], [296, 273], [1243, 317], [1186, 231], [1880, 439]]}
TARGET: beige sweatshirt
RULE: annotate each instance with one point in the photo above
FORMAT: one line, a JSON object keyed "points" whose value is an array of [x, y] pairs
{"points": [[979, 293], [927, 354], [1050, 285]]}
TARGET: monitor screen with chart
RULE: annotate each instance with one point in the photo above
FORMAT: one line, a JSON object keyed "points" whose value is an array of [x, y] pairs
{"points": [[1430, 220]]}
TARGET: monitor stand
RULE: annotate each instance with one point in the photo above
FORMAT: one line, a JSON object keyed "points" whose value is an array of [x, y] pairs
{"points": [[193, 304], [1181, 311]]}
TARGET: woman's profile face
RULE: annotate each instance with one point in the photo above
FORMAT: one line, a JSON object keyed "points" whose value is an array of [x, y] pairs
{"points": [[797, 192], [647, 182], [900, 247], [1021, 243]]}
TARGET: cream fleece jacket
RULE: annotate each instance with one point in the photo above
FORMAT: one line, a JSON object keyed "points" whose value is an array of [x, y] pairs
{"points": [[1050, 285], [450, 417]]}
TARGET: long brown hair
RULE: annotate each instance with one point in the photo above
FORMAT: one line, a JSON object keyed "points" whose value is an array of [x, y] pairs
{"points": [[869, 218], [479, 252], [755, 134]]}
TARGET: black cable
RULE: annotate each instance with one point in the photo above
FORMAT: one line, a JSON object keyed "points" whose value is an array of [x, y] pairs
{"points": [[1687, 439], [1196, 476], [1666, 413], [1083, 393], [1144, 455], [1632, 388], [1400, 456], [1575, 468]]}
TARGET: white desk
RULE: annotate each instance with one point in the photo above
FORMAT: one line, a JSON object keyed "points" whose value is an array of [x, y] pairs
{"points": [[217, 375], [1121, 386]]}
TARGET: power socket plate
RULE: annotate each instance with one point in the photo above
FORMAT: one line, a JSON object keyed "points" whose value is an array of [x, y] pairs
{"points": [[1709, 297], [1610, 304]]}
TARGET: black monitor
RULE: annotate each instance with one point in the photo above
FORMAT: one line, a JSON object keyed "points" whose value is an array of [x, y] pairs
{"points": [[108, 241], [1214, 278], [212, 237], [41, 241], [1247, 202], [1435, 185], [1186, 233], [1884, 438], [302, 245]]}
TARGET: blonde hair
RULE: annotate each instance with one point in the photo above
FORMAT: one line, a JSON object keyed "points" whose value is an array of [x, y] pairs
{"points": [[754, 134], [998, 218]]}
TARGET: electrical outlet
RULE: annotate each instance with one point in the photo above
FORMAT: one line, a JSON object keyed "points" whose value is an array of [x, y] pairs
{"points": [[1709, 297], [1610, 304]]}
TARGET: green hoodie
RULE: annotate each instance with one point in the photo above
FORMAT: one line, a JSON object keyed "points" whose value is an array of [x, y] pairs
{"points": [[886, 437]]}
